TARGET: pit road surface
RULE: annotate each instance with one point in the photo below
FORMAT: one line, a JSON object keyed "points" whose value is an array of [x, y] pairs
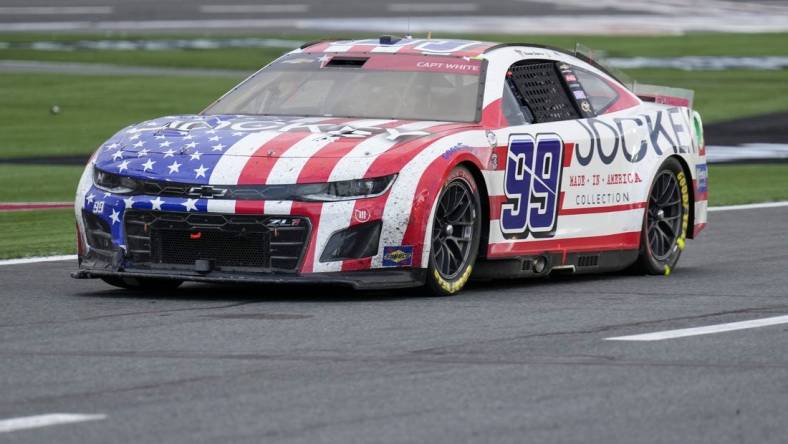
{"points": [[512, 362]]}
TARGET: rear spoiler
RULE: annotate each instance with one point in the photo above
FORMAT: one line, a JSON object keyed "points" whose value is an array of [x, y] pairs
{"points": [[665, 95]]}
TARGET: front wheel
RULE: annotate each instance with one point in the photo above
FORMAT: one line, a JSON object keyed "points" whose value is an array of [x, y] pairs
{"points": [[666, 220], [456, 230]]}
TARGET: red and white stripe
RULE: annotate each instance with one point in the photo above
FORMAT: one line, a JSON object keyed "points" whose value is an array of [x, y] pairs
{"points": [[355, 164]]}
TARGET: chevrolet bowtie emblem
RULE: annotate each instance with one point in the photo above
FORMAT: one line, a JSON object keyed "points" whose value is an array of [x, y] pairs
{"points": [[207, 192]]}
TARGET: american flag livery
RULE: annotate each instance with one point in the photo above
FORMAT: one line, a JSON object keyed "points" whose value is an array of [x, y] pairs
{"points": [[588, 179]]}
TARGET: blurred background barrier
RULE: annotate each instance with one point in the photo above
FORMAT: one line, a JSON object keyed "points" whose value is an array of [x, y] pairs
{"points": [[73, 72], [504, 16]]}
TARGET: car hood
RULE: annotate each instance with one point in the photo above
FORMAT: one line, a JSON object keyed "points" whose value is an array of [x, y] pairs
{"points": [[171, 148]]}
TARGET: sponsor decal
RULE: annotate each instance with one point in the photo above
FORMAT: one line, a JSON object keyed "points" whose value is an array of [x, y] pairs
{"points": [[585, 106], [443, 46], [579, 95], [532, 183], [623, 178], [627, 178], [664, 130], [398, 256], [454, 149], [492, 164], [681, 242], [492, 139], [451, 67], [702, 171], [601, 199], [361, 214], [578, 181], [534, 53], [455, 286], [183, 127], [430, 46]]}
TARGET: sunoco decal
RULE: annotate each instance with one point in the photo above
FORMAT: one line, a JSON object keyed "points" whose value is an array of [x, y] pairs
{"points": [[399, 256]]}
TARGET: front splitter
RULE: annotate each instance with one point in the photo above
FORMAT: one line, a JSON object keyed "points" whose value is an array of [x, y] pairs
{"points": [[362, 280]]}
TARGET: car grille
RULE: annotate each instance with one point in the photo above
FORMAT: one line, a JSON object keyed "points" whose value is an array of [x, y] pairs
{"points": [[218, 192], [227, 249], [232, 242]]}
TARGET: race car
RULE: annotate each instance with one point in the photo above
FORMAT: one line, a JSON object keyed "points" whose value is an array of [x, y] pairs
{"points": [[390, 163]]}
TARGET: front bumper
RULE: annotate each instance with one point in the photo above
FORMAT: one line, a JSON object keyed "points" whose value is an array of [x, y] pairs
{"points": [[117, 238]]}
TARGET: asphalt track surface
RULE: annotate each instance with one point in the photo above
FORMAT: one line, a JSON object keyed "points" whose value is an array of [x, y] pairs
{"points": [[523, 361]]}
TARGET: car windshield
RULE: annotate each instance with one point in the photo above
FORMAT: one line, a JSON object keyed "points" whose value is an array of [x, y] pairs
{"points": [[387, 86]]}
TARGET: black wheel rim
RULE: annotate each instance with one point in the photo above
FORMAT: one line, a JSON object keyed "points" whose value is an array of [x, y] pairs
{"points": [[665, 211], [453, 229]]}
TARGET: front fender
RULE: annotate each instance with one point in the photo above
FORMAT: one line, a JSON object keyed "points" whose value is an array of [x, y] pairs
{"points": [[410, 207]]}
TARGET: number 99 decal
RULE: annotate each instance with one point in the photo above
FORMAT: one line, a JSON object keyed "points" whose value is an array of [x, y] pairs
{"points": [[532, 185]]}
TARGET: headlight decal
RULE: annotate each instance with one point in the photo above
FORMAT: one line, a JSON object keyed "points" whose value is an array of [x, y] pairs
{"points": [[309, 192], [349, 189], [114, 183]]}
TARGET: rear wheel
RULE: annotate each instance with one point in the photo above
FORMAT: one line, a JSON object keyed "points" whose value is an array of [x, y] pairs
{"points": [[666, 220], [456, 231], [142, 283]]}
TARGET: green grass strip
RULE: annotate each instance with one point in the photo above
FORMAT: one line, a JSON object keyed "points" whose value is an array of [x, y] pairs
{"points": [[37, 233], [38, 183], [742, 184]]}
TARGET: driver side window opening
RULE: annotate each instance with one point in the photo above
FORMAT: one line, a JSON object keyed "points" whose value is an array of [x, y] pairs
{"points": [[537, 89], [514, 109]]}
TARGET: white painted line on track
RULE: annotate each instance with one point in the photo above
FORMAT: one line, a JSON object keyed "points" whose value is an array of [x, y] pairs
{"points": [[756, 206], [252, 9], [707, 330], [432, 7], [56, 10], [51, 419], [35, 260]]}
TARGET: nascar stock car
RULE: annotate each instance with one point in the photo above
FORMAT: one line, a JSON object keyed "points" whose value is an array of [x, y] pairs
{"points": [[388, 163]]}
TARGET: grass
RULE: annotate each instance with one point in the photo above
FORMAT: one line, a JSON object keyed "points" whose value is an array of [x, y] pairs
{"points": [[37, 233], [38, 183], [741, 184], [93, 108]]}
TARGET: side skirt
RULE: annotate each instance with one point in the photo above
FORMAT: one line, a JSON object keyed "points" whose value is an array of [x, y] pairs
{"points": [[553, 263]]}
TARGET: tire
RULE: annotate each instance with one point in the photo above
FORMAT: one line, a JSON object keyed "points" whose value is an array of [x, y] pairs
{"points": [[139, 284], [666, 220], [453, 253]]}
